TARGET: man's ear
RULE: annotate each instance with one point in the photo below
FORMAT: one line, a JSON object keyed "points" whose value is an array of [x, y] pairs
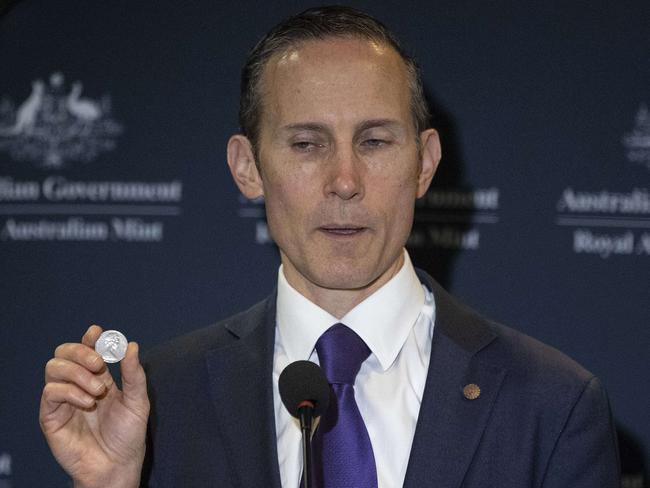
{"points": [[241, 160], [430, 157]]}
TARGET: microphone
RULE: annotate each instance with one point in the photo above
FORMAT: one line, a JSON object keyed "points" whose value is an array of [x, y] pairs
{"points": [[305, 392]]}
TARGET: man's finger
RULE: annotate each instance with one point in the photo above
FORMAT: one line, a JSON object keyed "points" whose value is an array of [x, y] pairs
{"points": [[80, 354], [63, 371], [91, 336], [54, 394], [134, 381]]}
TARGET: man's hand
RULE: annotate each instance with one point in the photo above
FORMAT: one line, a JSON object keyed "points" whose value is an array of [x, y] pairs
{"points": [[96, 432]]}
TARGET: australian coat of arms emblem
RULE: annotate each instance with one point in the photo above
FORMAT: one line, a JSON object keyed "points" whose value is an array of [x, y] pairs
{"points": [[55, 124], [637, 141]]}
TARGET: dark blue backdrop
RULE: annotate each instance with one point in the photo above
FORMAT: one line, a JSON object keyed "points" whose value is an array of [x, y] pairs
{"points": [[117, 208]]}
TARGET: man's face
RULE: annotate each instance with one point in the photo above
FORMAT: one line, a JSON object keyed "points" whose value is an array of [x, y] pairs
{"points": [[339, 162]]}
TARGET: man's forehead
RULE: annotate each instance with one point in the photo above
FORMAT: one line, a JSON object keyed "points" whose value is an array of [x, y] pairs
{"points": [[334, 48], [333, 67], [327, 44]]}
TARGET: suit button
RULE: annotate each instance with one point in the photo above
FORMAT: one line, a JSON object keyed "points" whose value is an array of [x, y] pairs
{"points": [[471, 391]]}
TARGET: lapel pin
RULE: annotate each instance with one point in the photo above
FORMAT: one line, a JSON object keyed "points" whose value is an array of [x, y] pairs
{"points": [[471, 391]]}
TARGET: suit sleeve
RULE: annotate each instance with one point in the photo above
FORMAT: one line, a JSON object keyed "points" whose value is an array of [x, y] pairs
{"points": [[586, 452]]}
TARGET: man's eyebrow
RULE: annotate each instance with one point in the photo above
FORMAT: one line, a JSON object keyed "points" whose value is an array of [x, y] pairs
{"points": [[366, 124], [388, 123], [310, 126]]}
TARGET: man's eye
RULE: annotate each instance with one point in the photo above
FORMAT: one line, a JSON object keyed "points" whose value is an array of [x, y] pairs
{"points": [[374, 142], [304, 145]]}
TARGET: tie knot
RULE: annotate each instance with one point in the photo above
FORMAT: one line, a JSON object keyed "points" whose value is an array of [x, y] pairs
{"points": [[340, 353]]}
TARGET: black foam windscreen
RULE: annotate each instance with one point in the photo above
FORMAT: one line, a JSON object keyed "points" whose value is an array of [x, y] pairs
{"points": [[304, 380]]}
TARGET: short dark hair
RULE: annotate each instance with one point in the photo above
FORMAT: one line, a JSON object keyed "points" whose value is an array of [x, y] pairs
{"points": [[318, 24]]}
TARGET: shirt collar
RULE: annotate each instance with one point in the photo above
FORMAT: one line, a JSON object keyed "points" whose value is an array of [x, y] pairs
{"points": [[383, 320]]}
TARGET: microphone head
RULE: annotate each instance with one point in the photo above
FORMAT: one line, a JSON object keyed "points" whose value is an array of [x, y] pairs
{"points": [[304, 381]]}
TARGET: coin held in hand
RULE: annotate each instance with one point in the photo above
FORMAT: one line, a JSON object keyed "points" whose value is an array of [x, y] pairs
{"points": [[111, 346]]}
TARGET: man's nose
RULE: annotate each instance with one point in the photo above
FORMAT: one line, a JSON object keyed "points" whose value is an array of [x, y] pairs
{"points": [[345, 175]]}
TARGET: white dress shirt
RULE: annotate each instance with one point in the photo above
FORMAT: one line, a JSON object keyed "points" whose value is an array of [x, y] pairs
{"points": [[396, 322]]}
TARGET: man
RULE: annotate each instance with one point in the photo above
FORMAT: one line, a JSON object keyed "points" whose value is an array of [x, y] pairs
{"points": [[335, 138]]}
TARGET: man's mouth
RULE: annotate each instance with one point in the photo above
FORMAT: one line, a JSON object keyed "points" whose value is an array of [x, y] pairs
{"points": [[342, 230]]}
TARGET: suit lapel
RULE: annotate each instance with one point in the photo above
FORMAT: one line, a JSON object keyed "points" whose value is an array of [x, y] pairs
{"points": [[241, 389], [449, 425]]}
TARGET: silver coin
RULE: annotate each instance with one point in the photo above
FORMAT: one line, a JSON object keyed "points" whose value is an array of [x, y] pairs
{"points": [[111, 346]]}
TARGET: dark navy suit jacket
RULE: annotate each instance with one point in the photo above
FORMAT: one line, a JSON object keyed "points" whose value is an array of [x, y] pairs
{"points": [[541, 420]]}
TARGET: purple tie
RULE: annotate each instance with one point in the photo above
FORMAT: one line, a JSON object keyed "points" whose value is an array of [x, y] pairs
{"points": [[342, 453]]}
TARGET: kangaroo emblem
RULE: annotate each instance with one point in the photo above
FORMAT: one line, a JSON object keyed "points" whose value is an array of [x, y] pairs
{"points": [[27, 112]]}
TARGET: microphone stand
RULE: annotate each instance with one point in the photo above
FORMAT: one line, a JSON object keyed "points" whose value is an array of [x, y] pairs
{"points": [[306, 413]]}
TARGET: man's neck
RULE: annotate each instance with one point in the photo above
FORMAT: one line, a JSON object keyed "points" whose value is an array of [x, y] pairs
{"points": [[338, 302]]}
